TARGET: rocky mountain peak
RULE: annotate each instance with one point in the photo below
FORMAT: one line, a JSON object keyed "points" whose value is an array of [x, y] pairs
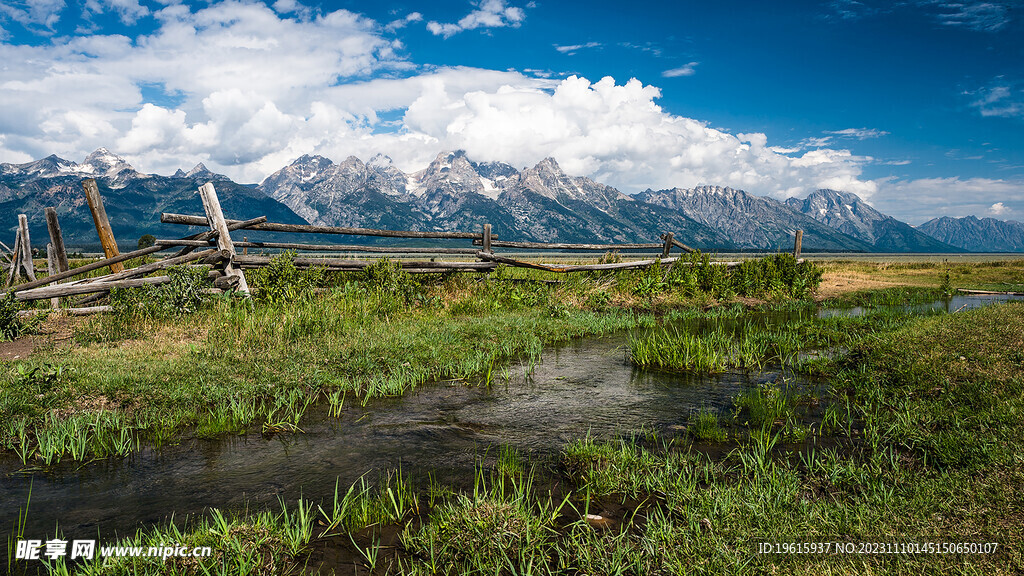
{"points": [[50, 166], [105, 163], [380, 161], [197, 169], [449, 173], [495, 171]]}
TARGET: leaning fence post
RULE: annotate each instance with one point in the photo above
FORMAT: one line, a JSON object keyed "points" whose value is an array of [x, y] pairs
{"points": [[211, 204], [667, 237], [796, 243], [99, 217], [59, 252], [15, 259], [26, 248]]}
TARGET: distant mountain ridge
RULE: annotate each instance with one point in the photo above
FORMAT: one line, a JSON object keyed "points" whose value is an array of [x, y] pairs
{"points": [[977, 235], [752, 221], [850, 215], [453, 192], [133, 201]]}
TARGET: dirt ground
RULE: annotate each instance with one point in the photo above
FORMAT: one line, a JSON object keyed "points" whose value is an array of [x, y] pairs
{"points": [[839, 283], [54, 331]]}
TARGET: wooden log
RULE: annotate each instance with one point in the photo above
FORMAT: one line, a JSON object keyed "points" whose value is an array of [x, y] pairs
{"points": [[99, 218], [245, 240], [565, 246], [988, 292], [797, 241], [211, 234], [87, 268], [68, 311], [73, 289], [27, 263], [486, 241], [51, 266], [215, 216], [153, 266], [254, 261], [586, 267], [667, 237], [326, 247], [682, 246], [168, 218], [579, 268], [53, 226], [481, 267]]}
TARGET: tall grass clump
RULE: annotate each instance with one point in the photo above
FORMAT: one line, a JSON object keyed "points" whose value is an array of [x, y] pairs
{"points": [[672, 349], [704, 425]]}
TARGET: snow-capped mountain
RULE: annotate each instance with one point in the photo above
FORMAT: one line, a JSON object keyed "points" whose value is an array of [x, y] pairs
{"points": [[455, 193], [100, 164], [849, 214], [133, 200], [752, 222]]}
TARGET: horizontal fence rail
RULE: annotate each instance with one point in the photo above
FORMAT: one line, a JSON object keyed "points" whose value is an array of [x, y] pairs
{"points": [[168, 218]]}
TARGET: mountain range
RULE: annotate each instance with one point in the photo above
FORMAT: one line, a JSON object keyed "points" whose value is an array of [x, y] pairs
{"points": [[977, 235], [541, 203]]}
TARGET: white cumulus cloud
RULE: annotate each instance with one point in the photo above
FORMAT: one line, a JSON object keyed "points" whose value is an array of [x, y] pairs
{"points": [[246, 89], [489, 14], [915, 201]]}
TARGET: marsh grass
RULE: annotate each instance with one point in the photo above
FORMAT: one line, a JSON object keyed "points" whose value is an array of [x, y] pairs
{"points": [[704, 425], [746, 345]]}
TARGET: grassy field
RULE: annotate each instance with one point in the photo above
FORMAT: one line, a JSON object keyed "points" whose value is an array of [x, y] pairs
{"points": [[917, 442]]}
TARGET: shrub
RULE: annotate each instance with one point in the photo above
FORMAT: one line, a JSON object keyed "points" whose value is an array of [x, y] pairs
{"points": [[281, 281], [393, 287], [184, 294], [10, 327]]}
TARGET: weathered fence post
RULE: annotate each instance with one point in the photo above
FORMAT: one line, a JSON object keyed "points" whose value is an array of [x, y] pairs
{"points": [[15, 260], [796, 243], [53, 225], [211, 204], [245, 249], [51, 269], [487, 238], [667, 236], [27, 263], [99, 217]]}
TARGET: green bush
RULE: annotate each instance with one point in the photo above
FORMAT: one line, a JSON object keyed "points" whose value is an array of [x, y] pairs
{"points": [[280, 281], [10, 327], [393, 287], [184, 294]]}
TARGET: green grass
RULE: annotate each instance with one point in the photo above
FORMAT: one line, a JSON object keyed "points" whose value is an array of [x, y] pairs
{"points": [[169, 363], [921, 443]]}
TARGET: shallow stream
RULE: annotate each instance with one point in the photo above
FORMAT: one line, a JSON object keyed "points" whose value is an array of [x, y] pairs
{"points": [[441, 429]]}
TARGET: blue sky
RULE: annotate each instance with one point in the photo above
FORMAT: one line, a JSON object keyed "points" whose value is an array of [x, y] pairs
{"points": [[918, 106]]}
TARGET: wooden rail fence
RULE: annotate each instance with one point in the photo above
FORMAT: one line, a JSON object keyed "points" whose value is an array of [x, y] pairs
{"points": [[215, 250]]}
